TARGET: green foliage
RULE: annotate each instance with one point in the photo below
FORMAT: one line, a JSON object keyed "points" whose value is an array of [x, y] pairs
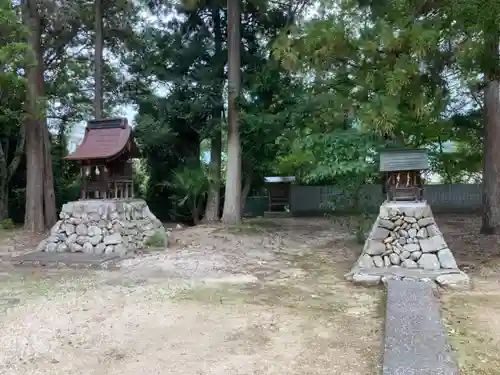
{"points": [[7, 224], [156, 240], [190, 185]]}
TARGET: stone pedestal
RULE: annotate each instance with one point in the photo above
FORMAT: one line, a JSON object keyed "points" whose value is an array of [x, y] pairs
{"points": [[111, 226], [405, 236]]}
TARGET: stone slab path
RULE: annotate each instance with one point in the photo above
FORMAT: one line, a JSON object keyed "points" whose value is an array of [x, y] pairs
{"points": [[415, 339]]}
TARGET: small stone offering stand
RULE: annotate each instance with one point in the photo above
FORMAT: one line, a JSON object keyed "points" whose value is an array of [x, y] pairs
{"points": [[405, 241], [107, 219]]}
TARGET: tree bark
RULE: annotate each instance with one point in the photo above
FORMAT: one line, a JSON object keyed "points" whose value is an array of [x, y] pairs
{"points": [[491, 172], [7, 169], [40, 198], [213, 199], [34, 216], [232, 202], [247, 184], [98, 60]]}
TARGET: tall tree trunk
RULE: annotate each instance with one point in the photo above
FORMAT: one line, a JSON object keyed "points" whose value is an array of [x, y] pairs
{"points": [[4, 178], [7, 169], [98, 60], [213, 199], [232, 202], [491, 172], [247, 184], [34, 216]]}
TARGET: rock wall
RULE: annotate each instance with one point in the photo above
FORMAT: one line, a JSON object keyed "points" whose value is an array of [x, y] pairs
{"points": [[406, 235], [104, 226]]}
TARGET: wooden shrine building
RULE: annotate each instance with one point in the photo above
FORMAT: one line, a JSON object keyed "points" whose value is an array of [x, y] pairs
{"points": [[105, 158], [402, 171]]}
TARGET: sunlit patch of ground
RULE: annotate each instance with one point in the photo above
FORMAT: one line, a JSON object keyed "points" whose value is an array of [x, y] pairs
{"points": [[267, 297], [473, 317]]}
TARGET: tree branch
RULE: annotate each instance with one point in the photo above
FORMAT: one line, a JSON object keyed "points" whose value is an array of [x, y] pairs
{"points": [[18, 153]]}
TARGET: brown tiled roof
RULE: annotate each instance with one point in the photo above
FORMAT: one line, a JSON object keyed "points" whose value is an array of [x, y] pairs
{"points": [[103, 139]]}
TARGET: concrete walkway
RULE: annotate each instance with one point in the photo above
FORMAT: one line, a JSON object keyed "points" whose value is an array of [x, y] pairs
{"points": [[415, 339]]}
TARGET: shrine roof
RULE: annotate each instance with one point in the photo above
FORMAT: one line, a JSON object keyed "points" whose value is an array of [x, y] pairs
{"points": [[103, 139]]}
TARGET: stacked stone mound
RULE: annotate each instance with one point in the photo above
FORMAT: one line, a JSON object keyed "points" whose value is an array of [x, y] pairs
{"points": [[406, 236], [406, 243], [104, 227]]}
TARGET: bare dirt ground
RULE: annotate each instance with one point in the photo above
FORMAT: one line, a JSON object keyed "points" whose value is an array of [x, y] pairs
{"points": [[267, 297], [473, 317]]}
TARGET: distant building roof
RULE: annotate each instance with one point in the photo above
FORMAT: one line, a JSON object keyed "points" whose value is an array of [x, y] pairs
{"points": [[104, 139], [277, 179]]}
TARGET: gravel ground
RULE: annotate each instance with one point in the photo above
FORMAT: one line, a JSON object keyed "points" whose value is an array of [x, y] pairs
{"points": [[267, 297]]}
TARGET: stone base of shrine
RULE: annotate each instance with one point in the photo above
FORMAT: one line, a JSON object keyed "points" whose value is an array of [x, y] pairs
{"points": [[405, 241], [113, 226]]}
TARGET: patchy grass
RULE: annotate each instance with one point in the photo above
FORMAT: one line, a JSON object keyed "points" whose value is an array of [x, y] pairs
{"points": [[473, 322]]}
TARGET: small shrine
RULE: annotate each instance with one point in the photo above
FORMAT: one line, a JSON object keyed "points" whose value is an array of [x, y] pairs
{"points": [[402, 171], [278, 192], [107, 219], [105, 158], [405, 240]]}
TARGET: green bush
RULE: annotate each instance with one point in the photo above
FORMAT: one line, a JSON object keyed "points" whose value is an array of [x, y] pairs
{"points": [[190, 186], [7, 224], [156, 240]]}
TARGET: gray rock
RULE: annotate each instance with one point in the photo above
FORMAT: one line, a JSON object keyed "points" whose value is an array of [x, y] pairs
{"points": [[68, 228], [94, 230], [88, 248], [412, 233], [109, 249], [113, 239], [425, 221], [433, 230], [408, 263], [446, 259], [53, 239], [366, 280], [454, 281], [402, 241], [405, 255], [387, 224], [374, 247], [432, 244], [94, 216], [394, 258], [99, 248], [403, 233], [379, 233], [429, 262], [378, 261], [51, 247], [422, 233], [82, 239], [81, 230], [55, 229], [62, 248], [75, 248], [365, 261], [387, 261], [71, 239], [95, 240], [410, 219], [415, 255], [411, 247]]}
